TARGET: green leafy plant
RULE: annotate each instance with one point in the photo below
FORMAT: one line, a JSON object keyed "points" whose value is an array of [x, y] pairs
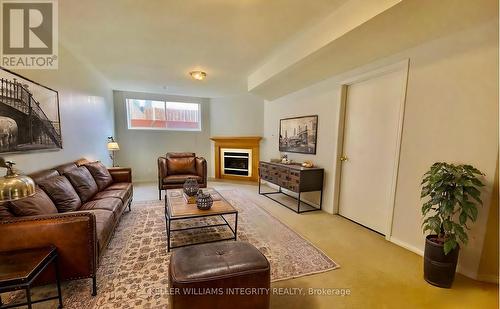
{"points": [[452, 197]]}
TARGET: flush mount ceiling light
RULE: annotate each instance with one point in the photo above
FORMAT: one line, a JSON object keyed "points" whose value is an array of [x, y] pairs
{"points": [[198, 75]]}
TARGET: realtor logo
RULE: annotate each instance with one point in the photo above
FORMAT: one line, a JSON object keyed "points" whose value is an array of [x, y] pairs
{"points": [[29, 34]]}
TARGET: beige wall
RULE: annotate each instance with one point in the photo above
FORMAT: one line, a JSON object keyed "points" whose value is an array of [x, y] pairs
{"points": [[488, 266], [238, 115], [322, 100], [86, 110], [451, 115], [140, 149]]}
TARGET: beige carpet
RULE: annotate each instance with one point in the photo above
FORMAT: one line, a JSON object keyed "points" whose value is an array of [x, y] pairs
{"points": [[133, 270]]}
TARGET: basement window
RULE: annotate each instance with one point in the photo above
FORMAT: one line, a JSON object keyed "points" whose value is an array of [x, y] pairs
{"points": [[163, 115]]}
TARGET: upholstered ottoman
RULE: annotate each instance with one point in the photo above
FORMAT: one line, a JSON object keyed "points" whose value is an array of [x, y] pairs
{"points": [[219, 275]]}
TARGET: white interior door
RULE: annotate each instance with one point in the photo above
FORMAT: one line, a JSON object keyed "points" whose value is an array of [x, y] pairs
{"points": [[371, 149]]}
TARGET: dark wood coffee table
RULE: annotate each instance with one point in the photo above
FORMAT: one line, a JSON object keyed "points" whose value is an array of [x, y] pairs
{"points": [[20, 268], [176, 208]]}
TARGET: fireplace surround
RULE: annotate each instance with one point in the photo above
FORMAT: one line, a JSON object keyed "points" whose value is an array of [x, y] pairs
{"points": [[236, 157]]}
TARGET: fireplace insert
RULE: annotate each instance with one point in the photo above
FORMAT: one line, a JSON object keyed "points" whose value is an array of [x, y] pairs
{"points": [[236, 162]]}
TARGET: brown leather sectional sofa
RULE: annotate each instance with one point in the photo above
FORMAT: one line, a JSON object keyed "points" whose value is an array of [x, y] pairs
{"points": [[76, 207], [176, 167]]}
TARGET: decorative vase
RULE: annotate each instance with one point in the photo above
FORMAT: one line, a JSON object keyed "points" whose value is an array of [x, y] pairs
{"points": [[191, 187], [204, 201], [439, 268]]}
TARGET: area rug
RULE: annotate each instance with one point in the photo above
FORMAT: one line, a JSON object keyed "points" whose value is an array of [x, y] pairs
{"points": [[133, 271]]}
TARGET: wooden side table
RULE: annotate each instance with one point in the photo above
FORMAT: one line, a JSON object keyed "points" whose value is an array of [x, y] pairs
{"points": [[20, 268]]}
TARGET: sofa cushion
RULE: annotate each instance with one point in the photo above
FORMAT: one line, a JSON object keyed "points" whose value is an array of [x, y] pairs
{"points": [[43, 175], [100, 173], [83, 182], [64, 168], [119, 194], [120, 186], [5, 212], [61, 192], [176, 179], [38, 204], [110, 204], [180, 166], [105, 223]]}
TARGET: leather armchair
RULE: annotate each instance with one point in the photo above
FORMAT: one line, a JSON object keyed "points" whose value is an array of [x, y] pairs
{"points": [[175, 168]]}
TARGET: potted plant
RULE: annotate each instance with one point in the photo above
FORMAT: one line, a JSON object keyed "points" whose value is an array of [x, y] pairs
{"points": [[452, 195]]}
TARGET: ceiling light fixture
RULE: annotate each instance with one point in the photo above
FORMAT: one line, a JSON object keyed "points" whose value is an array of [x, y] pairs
{"points": [[198, 75]]}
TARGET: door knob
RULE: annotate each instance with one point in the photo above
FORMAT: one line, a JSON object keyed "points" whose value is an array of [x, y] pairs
{"points": [[343, 158]]}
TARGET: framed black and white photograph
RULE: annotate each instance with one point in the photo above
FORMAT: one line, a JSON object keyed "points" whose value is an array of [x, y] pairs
{"points": [[298, 134], [29, 115]]}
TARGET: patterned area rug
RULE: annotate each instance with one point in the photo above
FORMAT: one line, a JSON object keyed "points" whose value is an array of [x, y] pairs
{"points": [[133, 270]]}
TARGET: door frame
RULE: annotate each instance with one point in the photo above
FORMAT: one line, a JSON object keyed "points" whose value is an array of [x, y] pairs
{"points": [[398, 66]]}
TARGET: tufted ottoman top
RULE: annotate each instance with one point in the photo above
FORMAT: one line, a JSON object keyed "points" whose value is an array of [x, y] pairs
{"points": [[216, 261]]}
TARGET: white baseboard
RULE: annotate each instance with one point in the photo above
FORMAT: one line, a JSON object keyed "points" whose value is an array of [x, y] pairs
{"points": [[476, 276], [144, 181], [406, 246], [466, 272], [488, 278]]}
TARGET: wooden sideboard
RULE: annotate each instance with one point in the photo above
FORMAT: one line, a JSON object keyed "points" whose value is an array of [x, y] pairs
{"points": [[294, 178]]}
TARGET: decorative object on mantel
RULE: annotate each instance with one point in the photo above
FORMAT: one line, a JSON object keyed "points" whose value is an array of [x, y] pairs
{"points": [[29, 115], [308, 164], [191, 187], [298, 134], [112, 147], [237, 157], [275, 160], [204, 201]]}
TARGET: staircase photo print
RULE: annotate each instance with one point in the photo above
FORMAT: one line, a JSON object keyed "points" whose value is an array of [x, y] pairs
{"points": [[29, 115]]}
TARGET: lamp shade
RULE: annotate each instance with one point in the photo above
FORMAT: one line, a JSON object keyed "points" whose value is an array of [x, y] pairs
{"points": [[14, 187], [113, 146]]}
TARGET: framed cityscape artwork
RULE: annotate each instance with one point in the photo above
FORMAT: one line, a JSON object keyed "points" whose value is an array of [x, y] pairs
{"points": [[298, 134], [29, 115]]}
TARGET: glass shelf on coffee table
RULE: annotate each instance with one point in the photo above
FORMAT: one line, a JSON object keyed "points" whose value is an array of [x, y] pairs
{"points": [[177, 208]]}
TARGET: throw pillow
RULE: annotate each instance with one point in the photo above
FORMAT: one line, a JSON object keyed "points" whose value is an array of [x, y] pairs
{"points": [[61, 192], [100, 173], [38, 204], [83, 182]]}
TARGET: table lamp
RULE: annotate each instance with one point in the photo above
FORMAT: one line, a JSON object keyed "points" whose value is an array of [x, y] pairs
{"points": [[14, 186], [112, 147]]}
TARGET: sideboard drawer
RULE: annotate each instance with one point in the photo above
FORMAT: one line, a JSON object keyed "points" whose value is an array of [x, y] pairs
{"points": [[283, 176], [294, 181], [268, 172]]}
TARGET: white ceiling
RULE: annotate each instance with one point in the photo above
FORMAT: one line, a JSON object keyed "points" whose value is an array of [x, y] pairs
{"points": [[147, 45]]}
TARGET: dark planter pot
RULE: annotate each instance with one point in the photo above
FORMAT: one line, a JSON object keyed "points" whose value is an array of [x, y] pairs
{"points": [[439, 269]]}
